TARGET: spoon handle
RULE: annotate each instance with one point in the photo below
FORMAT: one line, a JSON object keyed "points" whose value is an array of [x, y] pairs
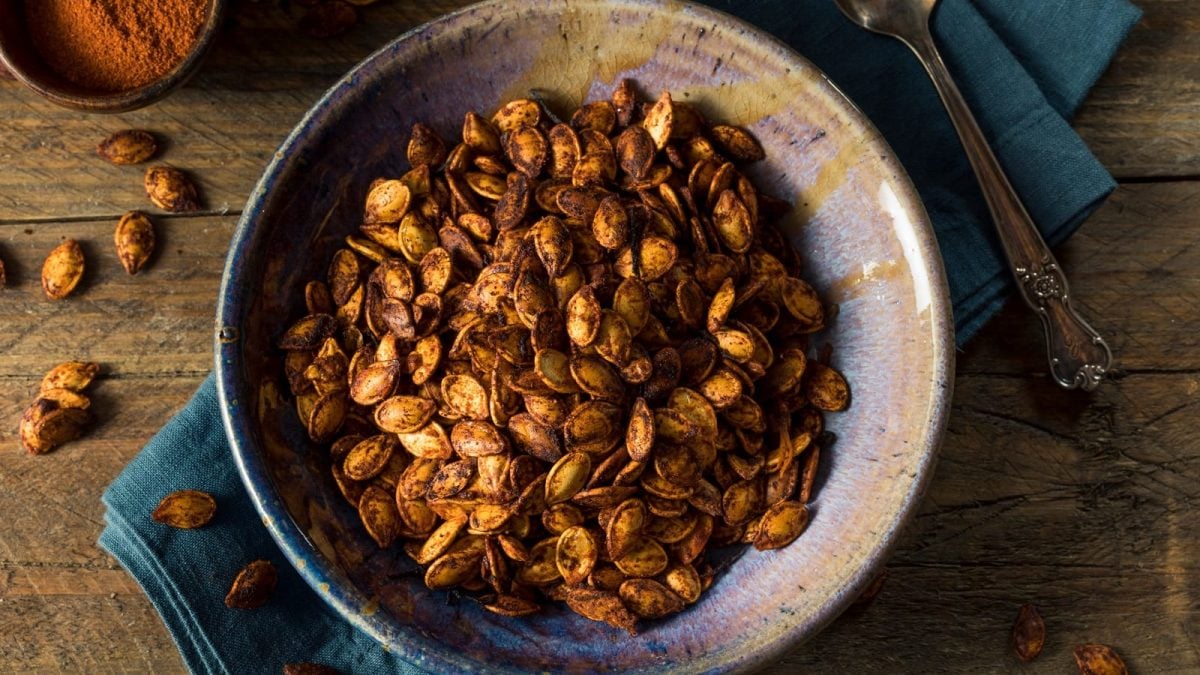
{"points": [[1079, 357]]}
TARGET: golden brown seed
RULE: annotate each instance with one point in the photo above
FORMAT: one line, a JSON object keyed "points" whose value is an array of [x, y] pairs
{"points": [[65, 398], [784, 376], [534, 437], [567, 477], [613, 338], [387, 202], [527, 150], [649, 599], [696, 409], [594, 427], [327, 415], [71, 375], [640, 433], [375, 382], [632, 302], [1028, 633], [128, 146], [597, 378], [802, 302], [660, 120], [425, 147], [826, 388], [737, 142], [477, 438], [554, 369], [453, 569], [171, 189], [253, 586], [553, 244], [185, 509], [437, 268], [576, 554], [625, 102], [684, 582], [377, 510], [732, 222], [404, 414], [1097, 659], [516, 113], [601, 606], [722, 388], [564, 151], [62, 270], [511, 605], [610, 224], [658, 255], [541, 569], [583, 317], [780, 525], [480, 135], [635, 149], [624, 526], [369, 457], [466, 395], [643, 558], [428, 442]]}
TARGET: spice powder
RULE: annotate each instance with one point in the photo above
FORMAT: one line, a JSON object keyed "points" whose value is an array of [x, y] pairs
{"points": [[114, 45]]}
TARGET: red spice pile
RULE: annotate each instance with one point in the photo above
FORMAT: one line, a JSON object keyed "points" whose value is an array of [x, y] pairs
{"points": [[114, 45]]}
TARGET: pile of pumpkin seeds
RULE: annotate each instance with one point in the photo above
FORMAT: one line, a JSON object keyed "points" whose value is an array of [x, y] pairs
{"points": [[565, 360]]}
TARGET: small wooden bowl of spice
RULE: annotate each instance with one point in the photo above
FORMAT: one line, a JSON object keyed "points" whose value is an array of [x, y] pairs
{"points": [[106, 55]]}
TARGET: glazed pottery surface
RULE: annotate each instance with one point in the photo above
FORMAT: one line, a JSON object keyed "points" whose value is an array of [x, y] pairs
{"points": [[857, 222]]}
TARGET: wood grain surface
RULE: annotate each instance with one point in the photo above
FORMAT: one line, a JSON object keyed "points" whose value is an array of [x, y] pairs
{"points": [[1081, 504]]}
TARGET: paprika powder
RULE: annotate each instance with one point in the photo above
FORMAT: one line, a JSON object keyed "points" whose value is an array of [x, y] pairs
{"points": [[114, 45]]}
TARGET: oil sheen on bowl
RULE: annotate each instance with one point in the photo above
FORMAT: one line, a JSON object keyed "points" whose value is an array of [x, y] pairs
{"points": [[858, 223]]}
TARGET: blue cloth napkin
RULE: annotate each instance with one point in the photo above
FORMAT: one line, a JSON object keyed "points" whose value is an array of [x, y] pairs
{"points": [[1024, 65]]}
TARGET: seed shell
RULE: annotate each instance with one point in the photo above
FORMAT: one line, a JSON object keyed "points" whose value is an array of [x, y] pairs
{"points": [[253, 586], [185, 509]]}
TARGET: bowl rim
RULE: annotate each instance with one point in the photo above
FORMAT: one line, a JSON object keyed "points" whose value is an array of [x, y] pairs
{"points": [[322, 575], [131, 99]]}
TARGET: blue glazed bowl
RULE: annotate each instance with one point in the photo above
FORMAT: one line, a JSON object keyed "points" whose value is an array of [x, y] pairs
{"points": [[858, 222]]}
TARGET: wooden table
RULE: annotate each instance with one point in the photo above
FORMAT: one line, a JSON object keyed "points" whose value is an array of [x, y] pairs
{"points": [[1079, 503]]}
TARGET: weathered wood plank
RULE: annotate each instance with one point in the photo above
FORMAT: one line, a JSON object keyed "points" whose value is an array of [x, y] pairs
{"points": [[84, 634], [225, 124], [158, 321], [1140, 119], [1134, 272], [1084, 510]]}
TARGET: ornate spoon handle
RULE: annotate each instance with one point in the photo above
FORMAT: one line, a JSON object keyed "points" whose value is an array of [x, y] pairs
{"points": [[1079, 357]]}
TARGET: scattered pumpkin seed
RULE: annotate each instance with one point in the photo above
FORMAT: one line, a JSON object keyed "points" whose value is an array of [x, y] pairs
{"points": [[253, 586], [185, 509]]}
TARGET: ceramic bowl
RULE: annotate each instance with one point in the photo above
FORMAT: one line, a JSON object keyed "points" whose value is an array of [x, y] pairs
{"points": [[21, 58], [858, 223]]}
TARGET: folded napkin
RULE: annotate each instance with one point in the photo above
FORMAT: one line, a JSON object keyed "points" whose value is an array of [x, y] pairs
{"points": [[1024, 65]]}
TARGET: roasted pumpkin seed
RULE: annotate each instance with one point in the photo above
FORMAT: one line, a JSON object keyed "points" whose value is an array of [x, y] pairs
{"points": [[134, 240], [185, 509], [253, 586], [62, 270], [171, 189]]}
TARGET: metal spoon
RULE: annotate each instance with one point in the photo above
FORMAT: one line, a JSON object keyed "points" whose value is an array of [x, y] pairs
{"points": [[1079, 357]]}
